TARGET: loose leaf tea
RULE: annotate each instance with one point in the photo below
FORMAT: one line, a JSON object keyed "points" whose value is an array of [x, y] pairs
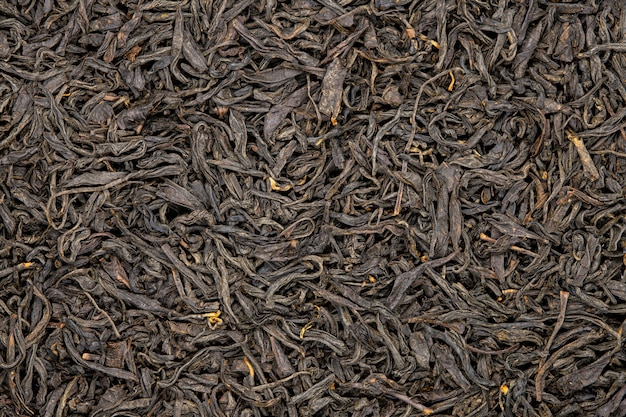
{"points": [[312, 208]]}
